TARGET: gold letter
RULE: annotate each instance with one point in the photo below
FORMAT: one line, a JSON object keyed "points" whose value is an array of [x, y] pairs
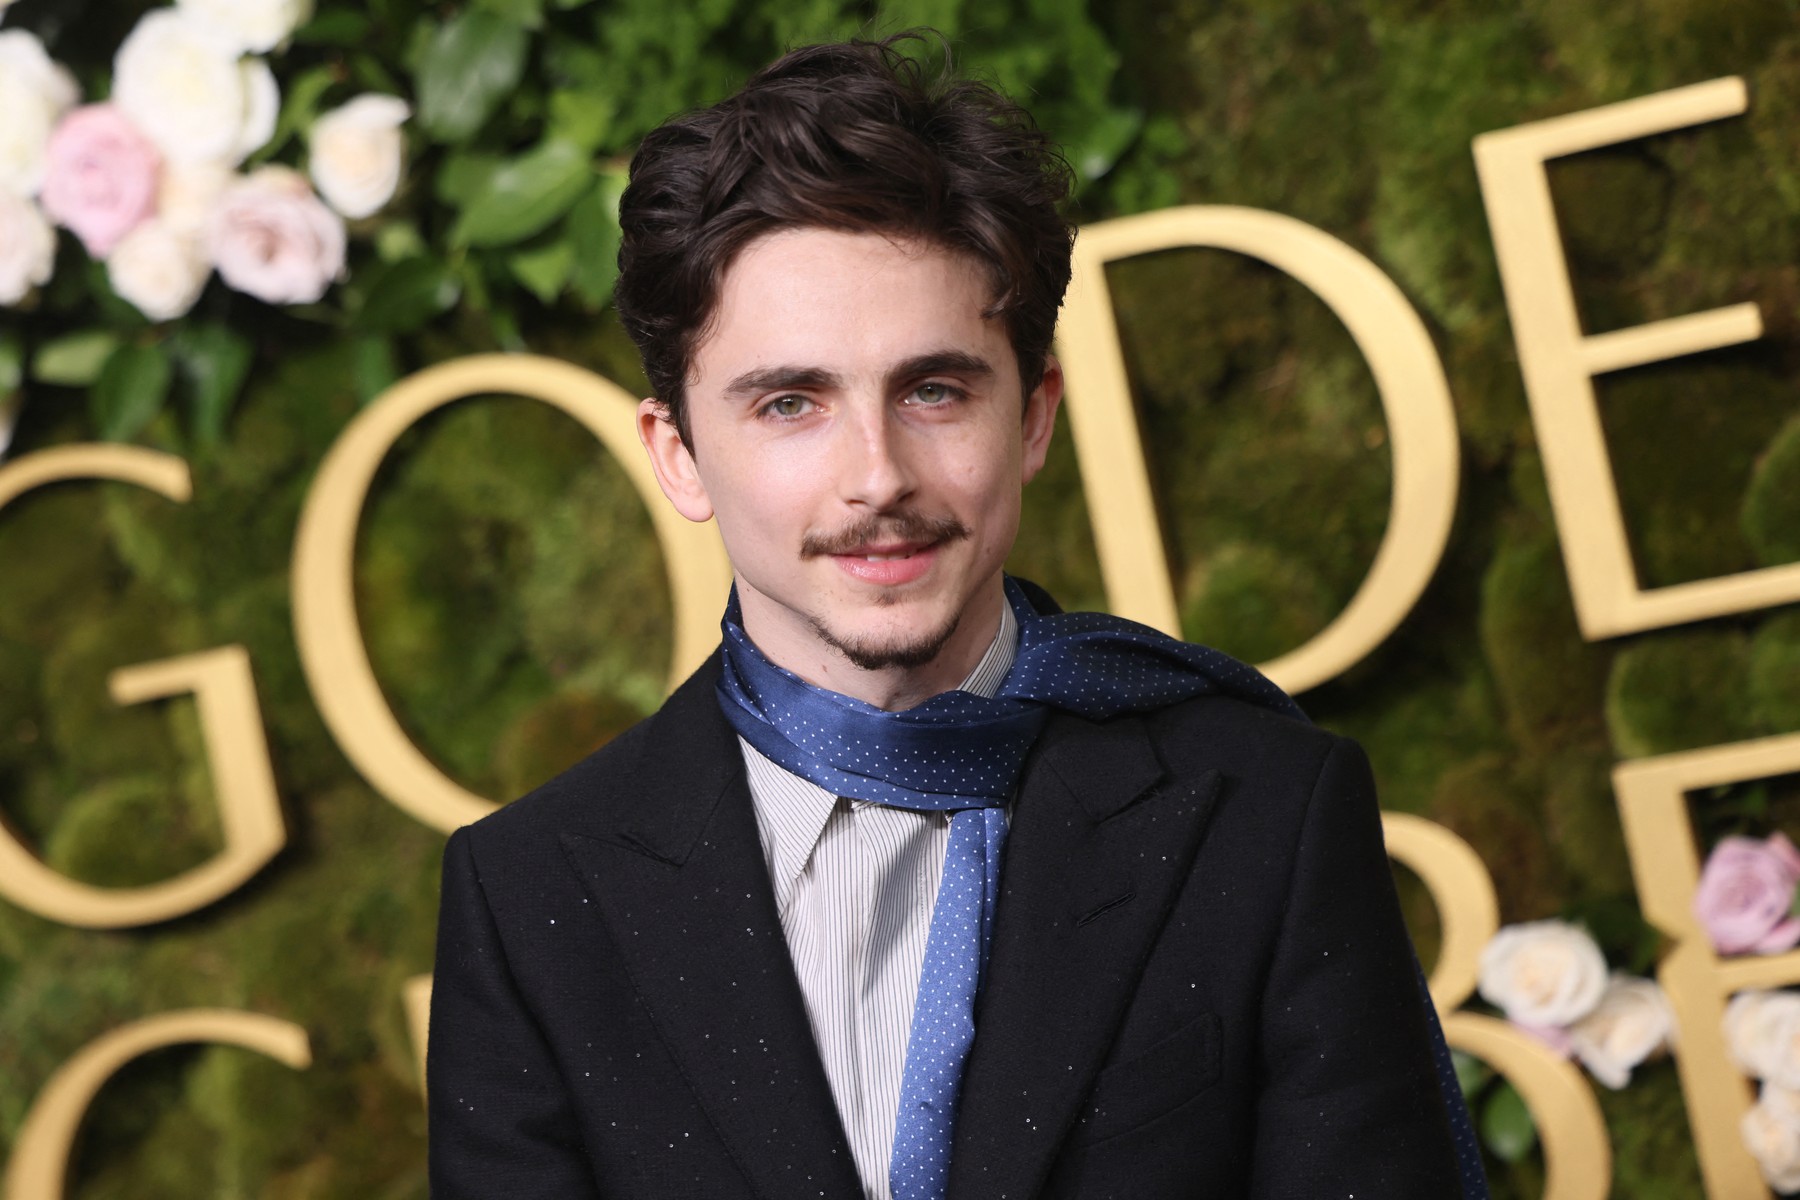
{"points": [[415, 994], [1407, 373], [1665, 863], [41, 1154], [331, 647], [230, 722], [1577, 1152], [1559, 363]]}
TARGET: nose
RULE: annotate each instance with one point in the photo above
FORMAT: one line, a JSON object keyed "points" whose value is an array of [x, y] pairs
{"points": [[874, 467]]}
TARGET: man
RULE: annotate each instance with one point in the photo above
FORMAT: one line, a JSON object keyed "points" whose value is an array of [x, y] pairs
{"points": [[918, 888]]}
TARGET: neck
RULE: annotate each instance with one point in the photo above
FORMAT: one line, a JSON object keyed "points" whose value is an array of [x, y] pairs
{"points": [[802, 651]]}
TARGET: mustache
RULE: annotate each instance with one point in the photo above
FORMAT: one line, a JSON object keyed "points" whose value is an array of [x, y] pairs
{"points": [[903, 526]]}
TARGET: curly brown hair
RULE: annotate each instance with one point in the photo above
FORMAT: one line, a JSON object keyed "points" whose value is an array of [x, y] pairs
{"points": [[855, 136]]}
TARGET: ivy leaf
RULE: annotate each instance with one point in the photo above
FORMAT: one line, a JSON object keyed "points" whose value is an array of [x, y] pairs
{"points": [[132, 388], [75, 359], [473, 62], [524, 196], [1506, 1126], [544, 269], [215, 362], [594, 240], [402, 296]]}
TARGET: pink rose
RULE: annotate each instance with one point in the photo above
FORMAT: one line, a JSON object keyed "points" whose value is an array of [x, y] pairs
{"points": [[271, 237], [1746, 895], [100, 176]]}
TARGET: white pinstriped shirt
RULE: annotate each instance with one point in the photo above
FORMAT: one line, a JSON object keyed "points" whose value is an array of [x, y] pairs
{"points": [[855, 883]]}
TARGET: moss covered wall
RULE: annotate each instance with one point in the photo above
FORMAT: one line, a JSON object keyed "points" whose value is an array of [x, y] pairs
{"points": [[512, 593]]}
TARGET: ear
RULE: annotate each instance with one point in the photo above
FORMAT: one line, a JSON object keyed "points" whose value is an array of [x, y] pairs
{"points": [[1040, 416], [672, 461]]}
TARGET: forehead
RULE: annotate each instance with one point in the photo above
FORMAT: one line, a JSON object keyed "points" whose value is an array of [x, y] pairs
{"points": [[850, 302]]}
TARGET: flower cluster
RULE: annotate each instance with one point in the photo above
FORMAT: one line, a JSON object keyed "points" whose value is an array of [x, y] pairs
{"points": [[1763, 1031], [151, 181], [1551, 980]]}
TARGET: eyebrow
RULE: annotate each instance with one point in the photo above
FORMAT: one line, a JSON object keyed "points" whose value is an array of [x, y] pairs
{"points": [[798, 378]]}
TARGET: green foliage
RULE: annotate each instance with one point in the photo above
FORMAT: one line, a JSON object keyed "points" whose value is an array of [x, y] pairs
{"points": [[513, 597]]}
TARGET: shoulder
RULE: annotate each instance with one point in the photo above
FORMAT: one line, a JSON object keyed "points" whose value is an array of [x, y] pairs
{"points": [[1239, 738]]}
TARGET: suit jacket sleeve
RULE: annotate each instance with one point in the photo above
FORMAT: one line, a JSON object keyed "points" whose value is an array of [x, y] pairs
{"points": [[501, 1120], [1350, 1101]]}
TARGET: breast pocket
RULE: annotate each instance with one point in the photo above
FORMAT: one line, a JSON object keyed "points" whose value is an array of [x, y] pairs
{"points": [[1160, 1080]]}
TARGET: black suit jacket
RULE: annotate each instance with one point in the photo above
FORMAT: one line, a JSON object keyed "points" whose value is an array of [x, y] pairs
{"points": [[1200, 984]]}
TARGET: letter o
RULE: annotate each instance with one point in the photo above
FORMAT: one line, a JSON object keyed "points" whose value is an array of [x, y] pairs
{"points": [[332, 653], [40, 1158]]}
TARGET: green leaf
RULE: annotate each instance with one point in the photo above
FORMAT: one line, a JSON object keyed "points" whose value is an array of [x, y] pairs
{"points": [[544, 269], [132, 388], [12, 362], [1506, 1127], [215, 362], [75, 359], [298, 109], [524, 196], [582, 117], [1471, 1073], [1107, 136], [336, 27], [473, 62], [464, 174], [373, 366], [404, 295], [594, 240], [529, 13]]}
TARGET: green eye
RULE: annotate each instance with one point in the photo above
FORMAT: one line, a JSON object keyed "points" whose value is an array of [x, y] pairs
{"points": [[788, 406], [933, 393]]}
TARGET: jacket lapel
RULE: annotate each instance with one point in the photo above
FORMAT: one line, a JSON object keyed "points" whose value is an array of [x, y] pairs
{"points": [[675, 863], [1100, 843]]}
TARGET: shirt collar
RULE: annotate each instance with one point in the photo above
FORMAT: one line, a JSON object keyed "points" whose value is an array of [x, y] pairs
{"points": [[791, 812]]}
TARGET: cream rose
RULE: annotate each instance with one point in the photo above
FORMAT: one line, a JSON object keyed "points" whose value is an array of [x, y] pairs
{"points": [[1763, 1031], [188, 194], [262, 108], [1771, 1131], [273, 239], [34, 93], [1632, 1021], [357, 152], [1543, 973], [27, 247], [253, 25], [158, 270], [182, 82]]}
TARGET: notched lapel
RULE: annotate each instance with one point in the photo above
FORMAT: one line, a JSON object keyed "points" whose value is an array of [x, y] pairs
{"points": [[677, 871], [1102, 840]]}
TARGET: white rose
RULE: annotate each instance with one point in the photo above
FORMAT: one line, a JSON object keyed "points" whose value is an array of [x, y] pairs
{"points": [[1763, 1030], [1543, 973], [1632, 1021], [357, 152], [159, 270], [187, 193], [262, 106], [273, 239], [1771, 1131], [34, 92], [181, 81], [253, 25], [27, 247]]}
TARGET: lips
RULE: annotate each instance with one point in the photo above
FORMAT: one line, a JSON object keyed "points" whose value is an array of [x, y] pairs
{"points": [[888, 564]]}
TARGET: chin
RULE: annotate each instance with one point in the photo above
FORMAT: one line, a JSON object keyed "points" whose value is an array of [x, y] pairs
{"points": [[888, 649]]}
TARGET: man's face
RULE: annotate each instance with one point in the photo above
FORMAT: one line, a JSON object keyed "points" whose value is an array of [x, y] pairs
{"points": [[857, 431]]}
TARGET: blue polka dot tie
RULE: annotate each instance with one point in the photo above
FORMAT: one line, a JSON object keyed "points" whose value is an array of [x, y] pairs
{"points": [[962, 753]]}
